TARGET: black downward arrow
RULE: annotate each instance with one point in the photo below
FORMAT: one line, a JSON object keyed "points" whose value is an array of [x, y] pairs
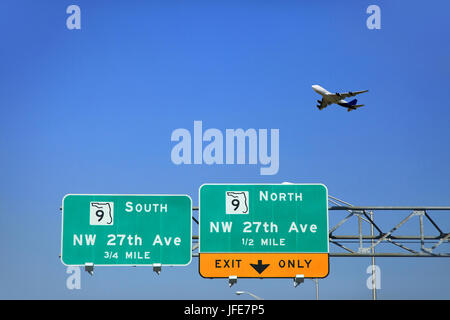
{"points": [[260, 267]]}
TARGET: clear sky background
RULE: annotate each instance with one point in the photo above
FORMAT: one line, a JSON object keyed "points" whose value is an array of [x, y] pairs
{"points": [[92, 111]]}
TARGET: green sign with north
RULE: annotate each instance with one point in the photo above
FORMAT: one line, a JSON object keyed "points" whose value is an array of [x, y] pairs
{"points": [[263, 218]]}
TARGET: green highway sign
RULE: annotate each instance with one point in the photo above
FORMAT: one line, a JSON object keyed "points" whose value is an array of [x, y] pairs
{"points": [[254, 230], [263, 218], [126, 229]]}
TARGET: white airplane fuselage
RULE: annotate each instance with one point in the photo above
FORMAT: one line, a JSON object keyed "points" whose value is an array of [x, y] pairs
{"points": [[328, 97]]}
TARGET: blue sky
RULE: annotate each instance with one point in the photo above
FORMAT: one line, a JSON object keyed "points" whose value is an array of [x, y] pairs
{"points": [[92, 111]]}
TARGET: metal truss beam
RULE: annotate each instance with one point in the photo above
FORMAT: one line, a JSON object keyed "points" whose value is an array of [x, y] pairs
{"points": [[387, 239], [388, 244]]}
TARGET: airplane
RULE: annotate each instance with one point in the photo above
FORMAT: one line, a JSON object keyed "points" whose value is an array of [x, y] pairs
{"points": [[338, 98]]}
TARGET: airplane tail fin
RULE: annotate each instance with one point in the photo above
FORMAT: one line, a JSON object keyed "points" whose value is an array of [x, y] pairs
{"points": [[353, 102], [352, 105]]}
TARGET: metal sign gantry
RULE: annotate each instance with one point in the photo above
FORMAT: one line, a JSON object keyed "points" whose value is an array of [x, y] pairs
{"points": [[381, 236], [424, 239]]}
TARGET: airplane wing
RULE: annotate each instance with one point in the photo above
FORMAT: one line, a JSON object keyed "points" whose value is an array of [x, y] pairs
{"points": [[350, 94]]}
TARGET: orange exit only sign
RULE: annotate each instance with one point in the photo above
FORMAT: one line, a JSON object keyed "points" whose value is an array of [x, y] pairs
{"points": [[263, 265]]}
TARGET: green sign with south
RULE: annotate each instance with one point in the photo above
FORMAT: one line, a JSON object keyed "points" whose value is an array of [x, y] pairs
{"points": [[126, 229]]}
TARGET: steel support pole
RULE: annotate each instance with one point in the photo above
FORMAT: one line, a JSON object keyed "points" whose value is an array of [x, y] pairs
{"points": [[374, 290], [317, 288]]}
